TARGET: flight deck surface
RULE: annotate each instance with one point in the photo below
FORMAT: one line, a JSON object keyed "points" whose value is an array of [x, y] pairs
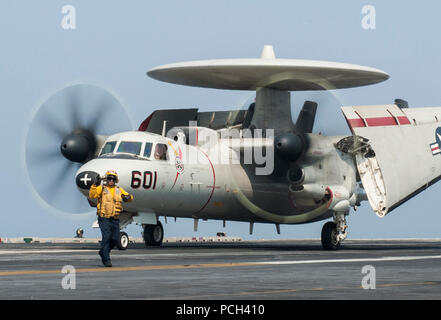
{"points": [[283, 269]]}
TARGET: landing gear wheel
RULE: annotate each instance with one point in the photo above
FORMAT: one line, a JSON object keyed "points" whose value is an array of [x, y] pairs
{"points": [[123, 242], [329, 236], [153, 234]]}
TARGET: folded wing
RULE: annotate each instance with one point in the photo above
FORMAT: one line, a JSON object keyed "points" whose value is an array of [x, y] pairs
{"points": [[397, 151]]}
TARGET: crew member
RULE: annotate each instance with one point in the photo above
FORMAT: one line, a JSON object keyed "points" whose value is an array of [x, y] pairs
{"points": [[109, 206]]}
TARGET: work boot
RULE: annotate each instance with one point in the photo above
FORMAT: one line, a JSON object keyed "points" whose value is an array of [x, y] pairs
{"points": [[107, 264]]}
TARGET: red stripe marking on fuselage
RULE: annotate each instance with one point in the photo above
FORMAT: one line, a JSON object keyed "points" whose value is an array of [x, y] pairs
{"points": [[214, 184], [177, 175]]}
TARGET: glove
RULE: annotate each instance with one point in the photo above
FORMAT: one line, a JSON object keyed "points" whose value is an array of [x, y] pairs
{"points": [[97, 180], [126, 197]]}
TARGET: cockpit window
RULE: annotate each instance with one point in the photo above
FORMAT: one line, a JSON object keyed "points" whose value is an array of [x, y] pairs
{"points": [[148, 149], [108, 147], [129, 147], [161, 151]]}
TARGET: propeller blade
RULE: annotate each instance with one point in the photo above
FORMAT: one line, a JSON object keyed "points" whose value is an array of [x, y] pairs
{"points": [[73, 106], [40, 156], [305, 120], [101, 112], [59, 190], [105, 111], [48, 122], [53, 186]]}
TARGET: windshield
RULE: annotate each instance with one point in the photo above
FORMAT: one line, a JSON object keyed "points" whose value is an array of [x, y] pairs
{"points": [[129, 147], [108, 147], [148, 149]]}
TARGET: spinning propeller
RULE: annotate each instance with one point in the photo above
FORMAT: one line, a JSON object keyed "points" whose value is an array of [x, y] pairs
{"points": [[65, 132]]}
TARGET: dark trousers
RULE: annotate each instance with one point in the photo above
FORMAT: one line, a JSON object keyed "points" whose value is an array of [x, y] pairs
{"points": [[110, 232]]}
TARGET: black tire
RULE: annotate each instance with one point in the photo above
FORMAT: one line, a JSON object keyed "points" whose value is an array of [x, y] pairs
{"points": [[329, 233], [153, 234], [123, 242]]}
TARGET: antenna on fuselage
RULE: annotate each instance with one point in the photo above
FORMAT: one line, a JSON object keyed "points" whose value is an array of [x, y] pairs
{"points": [[164, 127]]}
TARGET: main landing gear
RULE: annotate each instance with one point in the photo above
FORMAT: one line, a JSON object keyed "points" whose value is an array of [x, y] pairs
{"points": [[334, 232], [153, 234]]}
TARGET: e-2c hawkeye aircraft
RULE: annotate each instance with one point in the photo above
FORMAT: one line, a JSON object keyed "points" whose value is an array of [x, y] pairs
{"points": [[256, 165]]}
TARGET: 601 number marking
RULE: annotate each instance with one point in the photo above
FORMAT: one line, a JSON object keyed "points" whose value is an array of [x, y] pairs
{"points": [[147, 180]]}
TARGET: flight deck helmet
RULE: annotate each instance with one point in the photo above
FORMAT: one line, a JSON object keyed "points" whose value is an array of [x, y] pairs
{"points": [[112, 174]]}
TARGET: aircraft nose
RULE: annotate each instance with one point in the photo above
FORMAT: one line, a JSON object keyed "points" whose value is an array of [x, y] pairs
{"points": [[85, 179]]}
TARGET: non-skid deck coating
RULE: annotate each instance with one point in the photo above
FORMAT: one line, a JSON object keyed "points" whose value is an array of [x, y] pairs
{"points": [[291, 269]]}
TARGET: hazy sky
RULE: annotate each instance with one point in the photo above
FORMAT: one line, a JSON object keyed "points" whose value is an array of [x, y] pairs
{"points": [[116, 42]]}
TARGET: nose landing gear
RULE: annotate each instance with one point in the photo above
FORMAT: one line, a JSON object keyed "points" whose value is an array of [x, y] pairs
{"points": [[123, 242]]}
